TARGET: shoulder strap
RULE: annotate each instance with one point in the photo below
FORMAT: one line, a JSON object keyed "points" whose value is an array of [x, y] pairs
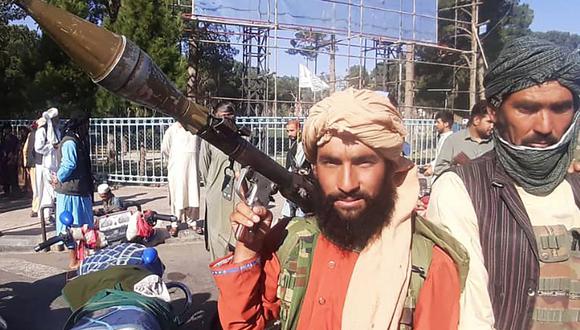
{"points": [[426, 235], [295, 255], [444, 240], [296, 229], [574, 180]]}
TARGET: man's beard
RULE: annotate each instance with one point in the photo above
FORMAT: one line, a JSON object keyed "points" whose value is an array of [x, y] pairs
{"points": [[356, 231]]}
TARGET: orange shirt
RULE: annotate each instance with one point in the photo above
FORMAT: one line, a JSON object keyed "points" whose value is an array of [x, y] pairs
{"points": [[327, 286], [247, 291]]}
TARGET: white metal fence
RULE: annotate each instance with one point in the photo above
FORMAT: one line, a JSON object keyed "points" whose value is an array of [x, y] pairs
{"points": [[128, 150]]}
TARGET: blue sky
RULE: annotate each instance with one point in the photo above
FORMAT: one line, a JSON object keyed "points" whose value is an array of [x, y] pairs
{"points": [[560, 15]]}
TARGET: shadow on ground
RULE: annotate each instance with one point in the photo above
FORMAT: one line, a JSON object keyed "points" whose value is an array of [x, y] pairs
{"points": [[202, 314], [18, 202], [29, 231], [39, 305], [27, 306]]}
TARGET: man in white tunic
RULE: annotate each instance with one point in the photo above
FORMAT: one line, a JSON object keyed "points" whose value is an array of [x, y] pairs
{"points": [[180, 147], [46, 141]]}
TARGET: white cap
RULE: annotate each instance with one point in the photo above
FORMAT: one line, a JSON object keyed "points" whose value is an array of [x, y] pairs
{"points": [[103, 188]]}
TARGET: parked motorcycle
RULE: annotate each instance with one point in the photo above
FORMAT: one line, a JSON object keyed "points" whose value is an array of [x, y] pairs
{"points": [[120, 286]]}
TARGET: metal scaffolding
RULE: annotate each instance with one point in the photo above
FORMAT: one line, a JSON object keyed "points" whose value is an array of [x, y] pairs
{"points": [[255, 69], [354, 39]]}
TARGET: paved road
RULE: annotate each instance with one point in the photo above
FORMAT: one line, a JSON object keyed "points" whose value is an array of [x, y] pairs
{"points": [[30, 283], [30, 286]]}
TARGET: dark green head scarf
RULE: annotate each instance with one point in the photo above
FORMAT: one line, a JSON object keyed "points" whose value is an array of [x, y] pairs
{"points": [[529, 61], [524, 63]]}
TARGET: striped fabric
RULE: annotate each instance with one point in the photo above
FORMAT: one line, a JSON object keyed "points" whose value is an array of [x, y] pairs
{"points": [[507, 240]]}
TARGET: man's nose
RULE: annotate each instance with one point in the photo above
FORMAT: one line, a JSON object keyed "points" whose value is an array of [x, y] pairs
{"points": [[348, 180], [543, 124]]}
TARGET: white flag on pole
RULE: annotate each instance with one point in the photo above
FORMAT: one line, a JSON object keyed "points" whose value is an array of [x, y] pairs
{"points": [[308, 80]]}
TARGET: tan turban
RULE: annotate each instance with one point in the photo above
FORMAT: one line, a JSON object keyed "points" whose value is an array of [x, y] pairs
{"points": [[366, 114]]}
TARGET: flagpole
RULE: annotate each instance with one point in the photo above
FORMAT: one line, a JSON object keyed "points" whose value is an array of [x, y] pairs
{"points": [[299, 104]]}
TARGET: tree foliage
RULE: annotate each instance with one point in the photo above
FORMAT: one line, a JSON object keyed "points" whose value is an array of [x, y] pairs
{"points": [[218, 73], [309, 43], [155, 28], [565, 39], [438, 86], [36, 74]]}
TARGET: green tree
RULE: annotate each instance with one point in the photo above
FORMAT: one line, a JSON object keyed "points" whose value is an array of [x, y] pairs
{"points": [[508, 19], [59, 82], [309, 43], [565, 39], [357, 77], [383, 75], [155, 28], [17, 62], [216, 72], [438, 86]]}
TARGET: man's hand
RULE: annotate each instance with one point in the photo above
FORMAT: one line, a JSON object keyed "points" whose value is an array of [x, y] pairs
{"points": [[428, 170], [256, 223], [53, 179], [574, 167]]}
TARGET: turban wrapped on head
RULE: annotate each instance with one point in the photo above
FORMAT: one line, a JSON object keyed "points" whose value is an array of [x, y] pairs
{"points": [[524, 63], [367, 115], [530, 61]]}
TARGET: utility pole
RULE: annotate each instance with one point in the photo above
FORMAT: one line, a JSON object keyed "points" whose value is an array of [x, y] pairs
{"points": [[409, 80], [473, 62], [332, 64]]}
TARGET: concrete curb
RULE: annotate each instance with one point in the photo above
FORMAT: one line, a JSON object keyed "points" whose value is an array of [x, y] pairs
{"points": [[26, 243]]}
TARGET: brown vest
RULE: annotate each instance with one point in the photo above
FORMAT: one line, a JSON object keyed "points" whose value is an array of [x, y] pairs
{"points": [[507, 239]]}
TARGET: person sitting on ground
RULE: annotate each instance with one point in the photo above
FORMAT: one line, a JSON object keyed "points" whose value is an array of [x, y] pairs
{"points": [[111, 203]]}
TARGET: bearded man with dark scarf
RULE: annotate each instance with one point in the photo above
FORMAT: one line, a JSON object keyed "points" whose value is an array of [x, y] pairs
{"points": [[352, 265], [74, 181], [516, 209]]}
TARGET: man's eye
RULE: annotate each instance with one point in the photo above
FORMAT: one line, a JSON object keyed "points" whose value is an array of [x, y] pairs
{"points": [[329, 163], [526, 109], [365, 163]]}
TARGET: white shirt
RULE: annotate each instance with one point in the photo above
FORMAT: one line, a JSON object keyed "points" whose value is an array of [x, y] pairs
{"points": [[46, 149], [450, 206]]}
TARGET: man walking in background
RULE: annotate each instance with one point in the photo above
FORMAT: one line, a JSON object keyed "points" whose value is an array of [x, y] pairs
{"points": [[467, 144], [295, 162], [31, 160], [444, 127], [10, 150], [180, 148], [218, 172]]}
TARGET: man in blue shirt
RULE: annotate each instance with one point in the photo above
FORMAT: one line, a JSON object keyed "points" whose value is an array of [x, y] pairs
{"points": [[73, 181]]}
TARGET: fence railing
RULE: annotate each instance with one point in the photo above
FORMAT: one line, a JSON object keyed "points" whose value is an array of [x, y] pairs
{"points": [[128, 150]]}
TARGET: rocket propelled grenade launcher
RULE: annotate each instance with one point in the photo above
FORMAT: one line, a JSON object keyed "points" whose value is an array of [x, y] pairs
{"points": [[117, 64]]}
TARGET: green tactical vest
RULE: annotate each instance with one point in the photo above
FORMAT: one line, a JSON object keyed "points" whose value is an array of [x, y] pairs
{"points": [[296, 254], [558, 296]]}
